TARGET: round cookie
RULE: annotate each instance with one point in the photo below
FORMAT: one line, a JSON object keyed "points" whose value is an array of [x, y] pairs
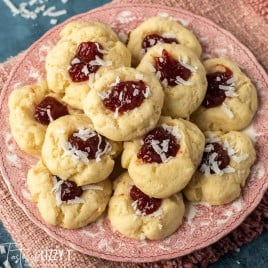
{"points": [[157, 30], [74, 151], [231, 99], [64, 204], [182, 75], [84, 51], [31, 109], [132, 218], [124, 104], [163, 162], [219, 180]]}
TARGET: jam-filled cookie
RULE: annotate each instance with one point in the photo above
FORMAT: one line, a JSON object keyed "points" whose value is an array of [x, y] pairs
{"points": [[73, 150], [62, 202], [84, 51], [224, 168], [231, 98], [163, 161], [124, 104], [138, 216], [31, 109], [181, 74], [158, 30]]}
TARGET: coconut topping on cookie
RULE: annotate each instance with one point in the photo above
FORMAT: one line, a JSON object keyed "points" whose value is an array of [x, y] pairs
{"points": [[142, 203], [217, 157], [172, 72], [124, 96], [154, 39], [87, 60], [159, 145], [48, 110], [66, 191], [86, 144], [220, 85]]}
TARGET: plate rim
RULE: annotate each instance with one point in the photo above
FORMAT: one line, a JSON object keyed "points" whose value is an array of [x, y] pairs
{"points": [[109, 256]]}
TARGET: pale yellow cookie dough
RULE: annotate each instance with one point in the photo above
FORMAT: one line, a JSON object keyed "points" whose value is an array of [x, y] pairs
{"points": [[222, 188], [63, 163], [237, 111], [165, 27], [27, 132], [130, 124], [59, 58], [183, 99], [167, 178], [158, 225], [69, 214]]}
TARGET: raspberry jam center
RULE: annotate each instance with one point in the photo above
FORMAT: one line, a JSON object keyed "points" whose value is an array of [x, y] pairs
{"points": [[84, 62], [158, 146], [153, 39], [89, 142], [215, 96], [145, 204], [69, 190], [49, 109], [170, 71], [215, 153], [125, 96]]}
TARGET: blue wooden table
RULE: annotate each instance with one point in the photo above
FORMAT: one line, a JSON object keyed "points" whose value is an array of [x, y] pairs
{"points": [[23, 22]]}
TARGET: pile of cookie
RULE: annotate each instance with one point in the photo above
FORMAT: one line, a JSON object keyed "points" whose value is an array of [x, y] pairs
{"points": [[172, 120]]}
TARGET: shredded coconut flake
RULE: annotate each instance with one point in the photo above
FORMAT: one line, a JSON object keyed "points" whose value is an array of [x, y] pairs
{"points": [[76, 155], [57, 191], [230, 81], [181, 81], [228, 169], [164, 82], [85, 70], [92, 187], [99, 62], [169, 35], [185, 63], [147, 92], [75, 61], [117, 81], [173, 130], [240, 158], [227, 110], [49, 115], [228, 90], [139, 76], [76, 200], [103, 51], [85, 133], [100, 153]]}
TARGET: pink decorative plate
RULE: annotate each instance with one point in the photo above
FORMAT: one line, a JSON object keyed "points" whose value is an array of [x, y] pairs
{"points": [[203, 224]]}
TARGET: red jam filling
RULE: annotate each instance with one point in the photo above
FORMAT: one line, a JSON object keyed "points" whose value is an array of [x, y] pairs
{"points": [[93, 144], [49, 109], [222, 157], [81, 65], [69, 190], [169, 69], [216, 96], [145, 204], [125, 96], [153, 39], [158, 146]]}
